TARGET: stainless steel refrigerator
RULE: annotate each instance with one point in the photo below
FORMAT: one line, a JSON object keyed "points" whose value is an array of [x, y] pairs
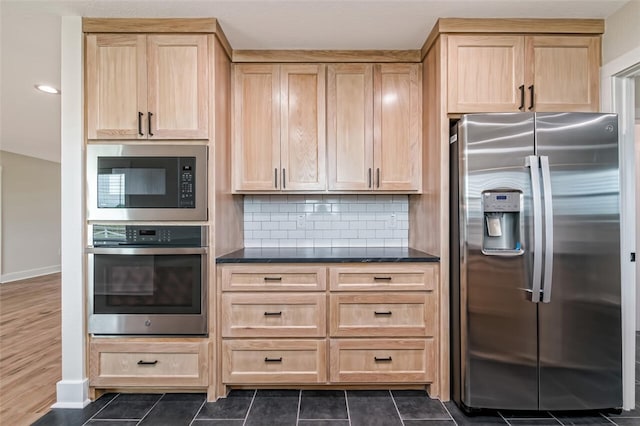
{"points": [[535, 261]]}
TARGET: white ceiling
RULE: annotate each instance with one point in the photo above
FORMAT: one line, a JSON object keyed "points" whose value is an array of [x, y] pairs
{"points": [[30, 39]]}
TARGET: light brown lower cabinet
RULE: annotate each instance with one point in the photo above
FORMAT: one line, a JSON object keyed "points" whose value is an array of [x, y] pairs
{"points": [[381, 314], [382, 361], [332, 324], [273, 315], [148, 362], [274, 361]]}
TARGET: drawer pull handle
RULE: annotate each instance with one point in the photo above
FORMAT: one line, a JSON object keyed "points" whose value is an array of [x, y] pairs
{"points": [[273, 314], [380, 359], [273, 278], [267, 359], [382, 278], [387, 313], [141, 362]]}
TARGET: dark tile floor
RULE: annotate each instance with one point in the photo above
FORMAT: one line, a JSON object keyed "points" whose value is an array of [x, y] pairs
{"points": [[313, 408], [307, 408]]}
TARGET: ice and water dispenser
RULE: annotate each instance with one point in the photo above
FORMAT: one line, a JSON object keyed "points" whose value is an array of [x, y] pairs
{"points": [[502, 224]]}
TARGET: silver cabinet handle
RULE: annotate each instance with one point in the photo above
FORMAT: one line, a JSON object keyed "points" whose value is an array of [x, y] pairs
{"points": [[548, 230], [534, 169], [275, 178], [369, 179], [378, 178], [284, 178]]}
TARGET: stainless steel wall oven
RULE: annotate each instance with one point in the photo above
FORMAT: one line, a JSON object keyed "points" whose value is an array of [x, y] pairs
{"points": [[147, 280]]}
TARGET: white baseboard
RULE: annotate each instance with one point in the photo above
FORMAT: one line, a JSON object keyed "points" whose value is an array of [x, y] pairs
{"points": [[72, 394], [30, 273]]}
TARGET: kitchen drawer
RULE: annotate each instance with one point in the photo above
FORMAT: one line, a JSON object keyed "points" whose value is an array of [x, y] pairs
{"points": [[144, 362], [382, 360], [273, 361], [273, 278], [397, 277], [273, 315], [382, 314]]}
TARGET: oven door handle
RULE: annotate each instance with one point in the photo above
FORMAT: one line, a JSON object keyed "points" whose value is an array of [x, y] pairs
{"points": [[147, 250]]}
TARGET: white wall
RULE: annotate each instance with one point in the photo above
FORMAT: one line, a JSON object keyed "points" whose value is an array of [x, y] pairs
{"points": [[621, 32], [637, 98], [621, 59], [637, 147], [30, 216]]}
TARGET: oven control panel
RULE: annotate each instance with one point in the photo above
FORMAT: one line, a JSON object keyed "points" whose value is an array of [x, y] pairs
{"points": [[145, 236]]}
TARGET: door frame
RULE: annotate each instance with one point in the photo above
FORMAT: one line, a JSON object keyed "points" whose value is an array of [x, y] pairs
{"points": [[618, 92]]}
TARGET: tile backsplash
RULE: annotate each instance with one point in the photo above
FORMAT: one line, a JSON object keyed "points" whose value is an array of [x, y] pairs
{"points": [[326, 220]]}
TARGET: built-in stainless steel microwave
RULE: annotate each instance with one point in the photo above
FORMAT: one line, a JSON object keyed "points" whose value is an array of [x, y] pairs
{"points": [[146, 182]]}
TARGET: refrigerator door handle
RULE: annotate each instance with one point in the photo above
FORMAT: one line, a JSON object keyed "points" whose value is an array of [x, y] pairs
{"points": [[534, 168], [548, 229]]}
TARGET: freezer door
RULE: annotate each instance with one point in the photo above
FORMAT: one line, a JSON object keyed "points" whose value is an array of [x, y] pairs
{"points": [[580, 333], [498, 336]]}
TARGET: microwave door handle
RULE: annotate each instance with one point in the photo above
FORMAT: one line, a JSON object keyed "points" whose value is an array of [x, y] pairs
{"points": [[534, 169], [548, 229]]}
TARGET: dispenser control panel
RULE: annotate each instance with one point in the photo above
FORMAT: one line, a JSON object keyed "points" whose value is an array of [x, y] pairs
{"points": [[501, 201]]}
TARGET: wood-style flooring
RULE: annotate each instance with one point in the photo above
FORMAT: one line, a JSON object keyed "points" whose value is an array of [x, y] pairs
{"points": [[30, 348]]}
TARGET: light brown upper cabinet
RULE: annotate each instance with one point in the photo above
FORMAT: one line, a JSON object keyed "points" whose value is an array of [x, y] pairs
{"points": [[146, 86], [374, 127], [279, 141], [504, 73]]}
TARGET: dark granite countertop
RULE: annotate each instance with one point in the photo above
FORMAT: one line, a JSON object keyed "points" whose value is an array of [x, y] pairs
{"points": [[327, 255]]}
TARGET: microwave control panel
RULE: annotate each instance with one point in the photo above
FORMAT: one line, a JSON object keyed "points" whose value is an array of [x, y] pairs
{"points": [[187, 182]]}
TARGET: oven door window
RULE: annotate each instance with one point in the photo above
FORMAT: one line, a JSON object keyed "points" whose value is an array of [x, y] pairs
{"points": [[138, 182], [147, 284]]}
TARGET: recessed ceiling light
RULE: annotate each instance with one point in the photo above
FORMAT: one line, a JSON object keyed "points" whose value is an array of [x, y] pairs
{"points": [[47, 89]]}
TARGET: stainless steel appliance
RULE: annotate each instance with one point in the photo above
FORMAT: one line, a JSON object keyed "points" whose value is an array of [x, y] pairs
{"points": [[535, 262], [147, 280], [146, 182]]}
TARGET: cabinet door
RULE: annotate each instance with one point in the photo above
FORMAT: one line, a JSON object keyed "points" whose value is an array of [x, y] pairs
{"points": [[178, 87], [275, 361], [563, 73], [350, 126], [485, 73], [274, 315], [157, 362], [303, 142], [256, 127], [397, 129], [382, 361], [116, 86]]}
